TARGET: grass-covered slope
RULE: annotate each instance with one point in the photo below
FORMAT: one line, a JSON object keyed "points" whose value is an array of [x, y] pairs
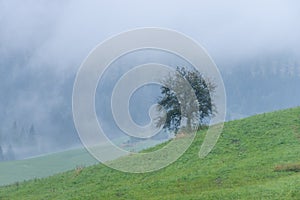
{"points": [[43, 166], [255, 158]]}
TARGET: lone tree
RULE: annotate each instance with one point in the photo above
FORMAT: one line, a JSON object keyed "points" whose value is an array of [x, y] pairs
{"points": [[195, 113]]}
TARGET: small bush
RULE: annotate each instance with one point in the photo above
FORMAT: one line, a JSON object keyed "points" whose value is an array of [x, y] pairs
{"points": [[78, 170], [291, 167]]}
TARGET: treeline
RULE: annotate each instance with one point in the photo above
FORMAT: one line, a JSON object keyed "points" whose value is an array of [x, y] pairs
{"points": [[17, 141]]}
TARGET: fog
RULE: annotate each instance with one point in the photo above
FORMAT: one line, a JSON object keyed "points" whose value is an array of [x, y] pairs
{"points": [[43, 43]]}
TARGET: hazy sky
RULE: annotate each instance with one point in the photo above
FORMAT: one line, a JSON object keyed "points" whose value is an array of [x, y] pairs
{"points": [[61, 33]]}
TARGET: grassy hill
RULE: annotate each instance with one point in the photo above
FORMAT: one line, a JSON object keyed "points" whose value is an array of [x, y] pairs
{"points": [[255, 158], [43, 166], [47, 165]]}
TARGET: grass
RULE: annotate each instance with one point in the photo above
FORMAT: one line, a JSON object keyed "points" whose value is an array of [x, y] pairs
{"points": [[16, 171], [243, 165], [43, 166]]}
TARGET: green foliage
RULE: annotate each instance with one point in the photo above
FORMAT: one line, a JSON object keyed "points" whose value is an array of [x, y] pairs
{"points": [[175, 95], [241, 166]]}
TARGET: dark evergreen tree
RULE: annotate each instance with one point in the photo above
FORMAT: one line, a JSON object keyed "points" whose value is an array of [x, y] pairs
{"points": [[23, 137], [15, 135], [32, 136]]}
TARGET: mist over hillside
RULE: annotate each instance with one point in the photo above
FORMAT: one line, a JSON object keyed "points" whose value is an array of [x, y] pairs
{"points": [[252, 86], [43, 44], [262, 84]]}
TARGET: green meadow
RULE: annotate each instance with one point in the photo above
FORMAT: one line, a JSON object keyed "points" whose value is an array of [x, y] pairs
{"points": [[255, 158]]}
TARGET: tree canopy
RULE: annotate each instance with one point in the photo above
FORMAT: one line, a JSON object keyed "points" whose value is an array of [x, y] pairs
{"points": [[196, 112]]}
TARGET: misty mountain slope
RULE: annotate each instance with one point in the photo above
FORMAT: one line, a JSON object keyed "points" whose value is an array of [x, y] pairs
{"points": [[262, 83], [254, 84], [256, 157]]}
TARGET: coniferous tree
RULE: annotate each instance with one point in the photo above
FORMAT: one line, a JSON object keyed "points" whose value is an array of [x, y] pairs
{"points": [[15, 136], [23, 137], [32, 136]]}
